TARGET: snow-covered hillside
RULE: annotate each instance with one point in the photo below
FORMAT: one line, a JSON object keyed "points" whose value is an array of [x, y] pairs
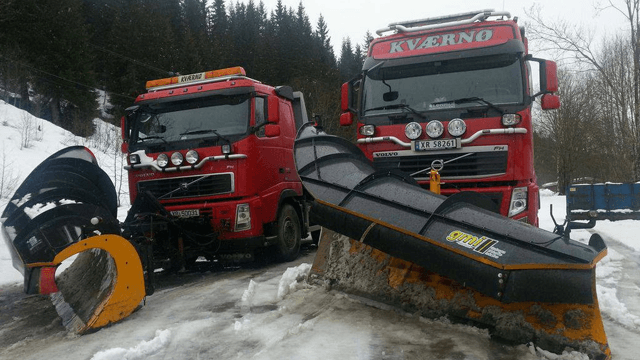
{"points": [[272, 313]]}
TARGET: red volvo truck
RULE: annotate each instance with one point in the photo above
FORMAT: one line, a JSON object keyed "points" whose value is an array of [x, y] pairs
{"points": [[211, 168], [457, 90]]}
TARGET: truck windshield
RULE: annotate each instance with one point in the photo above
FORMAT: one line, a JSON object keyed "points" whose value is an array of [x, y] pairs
{"points": [[440, 85], [196, 119]]}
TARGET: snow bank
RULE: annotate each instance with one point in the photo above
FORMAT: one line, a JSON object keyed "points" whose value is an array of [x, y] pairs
{"points": [[609, 273], [612, 307], [262, 293], [292, 280], [140, 351]]}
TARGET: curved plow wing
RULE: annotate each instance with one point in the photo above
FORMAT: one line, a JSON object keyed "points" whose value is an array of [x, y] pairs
{"points": [[67, 206]]}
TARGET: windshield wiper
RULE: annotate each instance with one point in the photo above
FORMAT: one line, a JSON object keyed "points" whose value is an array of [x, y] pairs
{"points": [[471, 99], [152, 137], [398, 106], [206, 131], [198, 132]]}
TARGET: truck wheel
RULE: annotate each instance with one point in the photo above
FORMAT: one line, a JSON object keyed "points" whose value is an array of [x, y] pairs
{"points": [[288, 241]]}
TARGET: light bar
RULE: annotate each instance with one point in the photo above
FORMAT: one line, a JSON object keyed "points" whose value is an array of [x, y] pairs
{"points": [[236, 70]]}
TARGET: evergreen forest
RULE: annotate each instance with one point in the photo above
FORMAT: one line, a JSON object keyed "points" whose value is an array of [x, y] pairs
{"points": [[55, 54], [58, 56]]}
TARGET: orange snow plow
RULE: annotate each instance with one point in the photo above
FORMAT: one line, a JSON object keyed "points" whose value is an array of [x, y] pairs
{"points": [[387, 239], [67, 207]]}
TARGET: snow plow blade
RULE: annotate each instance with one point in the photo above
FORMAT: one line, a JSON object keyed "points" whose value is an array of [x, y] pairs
{"points": [[67, 206], [387, 239]]}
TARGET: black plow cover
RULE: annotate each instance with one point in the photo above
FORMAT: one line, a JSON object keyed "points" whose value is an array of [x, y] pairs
{"points": [[53, 209], [459, 237]]}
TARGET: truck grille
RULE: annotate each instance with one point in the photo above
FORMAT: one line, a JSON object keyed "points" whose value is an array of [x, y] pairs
{"points": [[190, 186], [475, 165]]}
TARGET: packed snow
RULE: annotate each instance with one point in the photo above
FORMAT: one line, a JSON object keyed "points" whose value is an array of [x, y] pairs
{"points": [[274, 313]]}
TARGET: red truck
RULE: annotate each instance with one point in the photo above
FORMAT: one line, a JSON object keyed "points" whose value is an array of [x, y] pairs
{"points": [[456, 90], [211, 168]]}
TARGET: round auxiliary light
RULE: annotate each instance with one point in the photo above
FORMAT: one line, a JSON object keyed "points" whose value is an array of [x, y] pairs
{"points": [[192, 157], [413, 130], [177, 159], [162, 160], [435, 129], [456, 127]]}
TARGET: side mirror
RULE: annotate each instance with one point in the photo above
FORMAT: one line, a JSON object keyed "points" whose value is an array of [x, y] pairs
{"points": [[550, 102], [271, 130], [123, 128], [345, 99], [273, 109], [348, 98], [346, 119], [548, 76]]}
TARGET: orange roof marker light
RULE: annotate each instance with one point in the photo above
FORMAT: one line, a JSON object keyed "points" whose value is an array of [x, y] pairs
{"points": [[236, 70]]}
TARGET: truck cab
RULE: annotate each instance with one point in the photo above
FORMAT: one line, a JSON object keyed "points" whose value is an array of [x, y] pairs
{"points": [[455, 90], [213, 152]]}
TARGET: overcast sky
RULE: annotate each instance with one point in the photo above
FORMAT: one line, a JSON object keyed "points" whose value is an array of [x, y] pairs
{"points": [[352, 18]]}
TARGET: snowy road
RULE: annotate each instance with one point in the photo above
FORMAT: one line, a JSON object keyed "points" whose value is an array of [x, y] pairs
{"points": [[262, 313], [239, 315]]}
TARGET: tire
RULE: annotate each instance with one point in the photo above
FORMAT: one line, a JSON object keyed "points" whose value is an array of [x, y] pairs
{"points": [[288, 240]]}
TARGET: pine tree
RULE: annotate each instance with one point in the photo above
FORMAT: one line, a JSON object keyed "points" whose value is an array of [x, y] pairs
{"points": [[368, 38], [55, 43], [150, 54], [219, 38]]}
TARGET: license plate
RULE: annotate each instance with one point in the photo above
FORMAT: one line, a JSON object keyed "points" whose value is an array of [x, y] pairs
{"points": [[186, 213], [426, 145]]}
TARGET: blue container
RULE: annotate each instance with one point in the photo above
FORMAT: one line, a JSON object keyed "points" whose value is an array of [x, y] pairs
{"points": [[609, 200]]}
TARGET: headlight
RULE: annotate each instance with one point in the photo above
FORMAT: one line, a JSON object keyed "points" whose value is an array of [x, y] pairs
{"points": [[162, 160], [413, 130], [192, 157], [435, 129], [511, 119], [177, 159], [243, 217], [518, 201], [367, 130], [457, 127]]}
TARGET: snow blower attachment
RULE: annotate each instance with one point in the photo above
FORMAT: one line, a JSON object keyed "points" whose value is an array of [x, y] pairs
{"points": [[67, 206], [387, 239]]}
